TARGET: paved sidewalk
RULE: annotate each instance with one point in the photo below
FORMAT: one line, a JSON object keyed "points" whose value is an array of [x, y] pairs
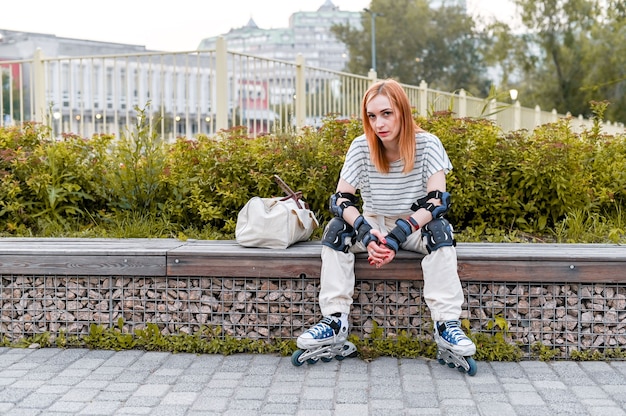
{"points": [[82, 382]]}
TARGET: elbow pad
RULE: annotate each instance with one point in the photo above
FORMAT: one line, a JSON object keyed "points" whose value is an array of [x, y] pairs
{"points": [[337, 209], [437, 211]]}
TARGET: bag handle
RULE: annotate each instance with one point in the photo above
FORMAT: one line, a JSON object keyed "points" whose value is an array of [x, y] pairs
{"points": [[290, 193]]}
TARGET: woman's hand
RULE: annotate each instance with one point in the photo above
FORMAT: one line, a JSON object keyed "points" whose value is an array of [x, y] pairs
{"points": [[379, 254]]}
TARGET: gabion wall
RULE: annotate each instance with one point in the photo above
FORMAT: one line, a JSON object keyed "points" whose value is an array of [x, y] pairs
{"points": [[565, 316]]}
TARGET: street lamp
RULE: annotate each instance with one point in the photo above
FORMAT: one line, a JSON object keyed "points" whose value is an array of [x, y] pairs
{"points": [[373, 15]]}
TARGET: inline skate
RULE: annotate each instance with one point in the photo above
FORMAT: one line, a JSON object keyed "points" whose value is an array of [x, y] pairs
{"points": [[454, 348], [325, 340]]}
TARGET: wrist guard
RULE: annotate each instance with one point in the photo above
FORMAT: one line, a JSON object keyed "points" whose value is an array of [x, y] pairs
{"points": [[363, 229], [398, 235]]}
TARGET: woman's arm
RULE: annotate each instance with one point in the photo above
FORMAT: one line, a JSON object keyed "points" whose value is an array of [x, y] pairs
{"points": [[436, 182]]}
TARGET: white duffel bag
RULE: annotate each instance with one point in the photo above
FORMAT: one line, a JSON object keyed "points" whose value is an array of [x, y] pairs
{"points": [[274, 222]]}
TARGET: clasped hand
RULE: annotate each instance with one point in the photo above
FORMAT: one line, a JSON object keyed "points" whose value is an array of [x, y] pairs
{"points": [[378, 253]]}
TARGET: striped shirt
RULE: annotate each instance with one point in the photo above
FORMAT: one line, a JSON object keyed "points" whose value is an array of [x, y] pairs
{"points": [[393, 193]]}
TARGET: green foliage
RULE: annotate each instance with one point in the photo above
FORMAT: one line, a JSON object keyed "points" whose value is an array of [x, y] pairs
{"points": [[5, 342], [221, 174], [44, 181], [565, 54], [549, 177], [42, 340], [401, 345], [548, 185], [212, 340], [596, 355], [134, 179], [444, 49], [528, 183], [591, 227], [114, 338], [54, 185], [543, 352], [495, 344]]}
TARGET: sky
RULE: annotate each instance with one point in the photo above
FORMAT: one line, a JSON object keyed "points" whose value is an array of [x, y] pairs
{"points": [[173, 26]]}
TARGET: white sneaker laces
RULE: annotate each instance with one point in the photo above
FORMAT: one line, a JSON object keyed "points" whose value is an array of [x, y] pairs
{"points": [[454, 332]]}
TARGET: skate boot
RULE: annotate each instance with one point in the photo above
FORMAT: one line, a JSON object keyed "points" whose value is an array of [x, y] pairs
{"points": [[454, 347], [325, 340]]}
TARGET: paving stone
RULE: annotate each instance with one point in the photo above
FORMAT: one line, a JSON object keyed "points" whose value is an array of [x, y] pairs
{"points": [[83, 382]]}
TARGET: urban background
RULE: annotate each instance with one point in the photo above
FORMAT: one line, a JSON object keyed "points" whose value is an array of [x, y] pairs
{"points": [[274, 80]]}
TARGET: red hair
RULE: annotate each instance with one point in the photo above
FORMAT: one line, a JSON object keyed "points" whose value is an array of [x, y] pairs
{"points": [[404, 116]]}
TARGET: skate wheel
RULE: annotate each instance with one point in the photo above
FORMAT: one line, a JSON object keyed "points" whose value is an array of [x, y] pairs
{"points": [[312, 361], [473, 368], [326, 359], [441, 361], [295, 358], [451, 365]]}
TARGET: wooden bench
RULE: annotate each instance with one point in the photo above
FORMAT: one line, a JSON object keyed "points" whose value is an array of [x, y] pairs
{"points": [[498, 262]]}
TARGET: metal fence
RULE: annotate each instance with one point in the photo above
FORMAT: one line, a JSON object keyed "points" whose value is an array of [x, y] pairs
{"points": [[203, 92]]}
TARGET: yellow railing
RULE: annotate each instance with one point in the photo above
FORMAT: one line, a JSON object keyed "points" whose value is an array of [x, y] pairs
{"points": [[203, 92]]}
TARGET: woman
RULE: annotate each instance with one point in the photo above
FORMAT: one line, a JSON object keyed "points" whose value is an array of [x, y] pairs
{"points": [[400, 171]]}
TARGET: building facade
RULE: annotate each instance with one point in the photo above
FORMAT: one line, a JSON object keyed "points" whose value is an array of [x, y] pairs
{"points": [[308, 34], [106, 86]]}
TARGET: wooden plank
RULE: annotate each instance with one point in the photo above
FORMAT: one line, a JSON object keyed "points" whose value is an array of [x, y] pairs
{"points": [[85, 256], [401, 268], [301, 260], [229, 259], [543, 271], [477, 262], [473, 251], [88, 246], [543, 252], [220, 248], [500, 262], [76, 265], [243, 266]]}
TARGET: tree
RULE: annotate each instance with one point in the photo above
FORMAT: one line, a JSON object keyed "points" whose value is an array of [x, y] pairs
{"points": [[415, 43], [569, 53], [507, 54], [558, 29], [605, 75]]}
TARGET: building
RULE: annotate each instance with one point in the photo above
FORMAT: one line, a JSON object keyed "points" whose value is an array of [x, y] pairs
{"points": [[95, 82], [100, 88], [308, 33], [101, 83], [22, 45]]}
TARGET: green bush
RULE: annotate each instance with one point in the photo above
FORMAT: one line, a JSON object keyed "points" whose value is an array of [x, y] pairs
{"points": [[547, 184], [529, 183], [221, 174], [45, 182]]}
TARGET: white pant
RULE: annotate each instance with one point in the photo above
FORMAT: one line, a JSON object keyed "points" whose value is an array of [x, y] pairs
{"points": [[442, 288]]}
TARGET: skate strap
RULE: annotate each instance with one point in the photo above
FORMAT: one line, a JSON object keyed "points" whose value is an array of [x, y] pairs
{"points": [[331, 323], [452, 329]]}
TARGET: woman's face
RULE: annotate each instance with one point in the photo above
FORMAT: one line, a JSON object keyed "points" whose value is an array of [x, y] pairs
{"points": [[382, 118]]}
